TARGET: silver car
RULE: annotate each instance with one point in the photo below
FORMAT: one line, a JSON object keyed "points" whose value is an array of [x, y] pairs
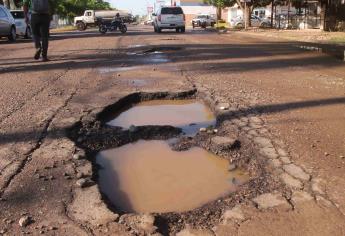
{"points": [[23, 29], [7, 24], [238, 22]]}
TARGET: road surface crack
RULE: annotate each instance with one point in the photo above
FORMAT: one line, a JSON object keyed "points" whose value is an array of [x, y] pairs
{"points": [[38, 144]]}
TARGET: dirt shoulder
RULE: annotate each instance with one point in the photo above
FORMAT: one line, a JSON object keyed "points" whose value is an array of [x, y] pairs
{"points": [[310, 36]]}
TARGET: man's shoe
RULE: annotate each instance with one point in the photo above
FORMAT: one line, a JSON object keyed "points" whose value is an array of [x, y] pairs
{"points": [[45, 59], [38, 53]]}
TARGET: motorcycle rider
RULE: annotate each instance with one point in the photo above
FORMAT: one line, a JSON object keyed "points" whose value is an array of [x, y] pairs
{"points": [[117, 20]]}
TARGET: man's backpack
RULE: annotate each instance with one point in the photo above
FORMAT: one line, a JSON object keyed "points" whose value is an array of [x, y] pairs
{"points": [[40, 6]]}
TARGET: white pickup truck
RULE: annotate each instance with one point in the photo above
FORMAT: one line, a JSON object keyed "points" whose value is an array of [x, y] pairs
{"points": [[203, 21], [91, 17]]}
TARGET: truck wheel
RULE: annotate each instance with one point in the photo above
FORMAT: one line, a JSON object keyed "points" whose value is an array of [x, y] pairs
{"points": [[183, 29], [81, 26], [13, 35], [177, 30], [103, 29], [212, 24]]}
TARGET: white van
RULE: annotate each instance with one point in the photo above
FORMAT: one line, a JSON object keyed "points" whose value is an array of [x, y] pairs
{"points": [[169, 18]]}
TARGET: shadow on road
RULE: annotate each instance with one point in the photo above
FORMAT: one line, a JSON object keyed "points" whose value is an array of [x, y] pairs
{"points": [[221, 57]]}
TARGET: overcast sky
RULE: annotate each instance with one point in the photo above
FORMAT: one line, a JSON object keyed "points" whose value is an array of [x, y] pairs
{"points": [[134, 6]]}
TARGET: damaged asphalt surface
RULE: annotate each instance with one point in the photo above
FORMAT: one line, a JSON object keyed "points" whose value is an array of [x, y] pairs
{"points": [[284, 105]]}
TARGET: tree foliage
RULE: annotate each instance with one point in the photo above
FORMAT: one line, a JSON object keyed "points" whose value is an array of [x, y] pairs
{"points": [[66, 8], [221, 3], [72, 8]]}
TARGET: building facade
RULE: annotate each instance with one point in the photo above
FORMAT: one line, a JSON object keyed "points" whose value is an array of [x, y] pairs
{"points": [[307, 17], [192, 8]]}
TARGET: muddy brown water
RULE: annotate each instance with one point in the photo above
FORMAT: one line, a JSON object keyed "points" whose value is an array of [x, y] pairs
{"points": [[190, 115], [148, 176]]}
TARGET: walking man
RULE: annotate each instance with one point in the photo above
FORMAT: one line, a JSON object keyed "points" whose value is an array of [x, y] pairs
{"points": [[40, 21]]}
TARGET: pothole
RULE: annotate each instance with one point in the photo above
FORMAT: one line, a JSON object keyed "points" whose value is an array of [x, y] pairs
{"points": [[149, 177], [134, 177], [165, 49], [189, 115], [171, 39], [146, 164]]}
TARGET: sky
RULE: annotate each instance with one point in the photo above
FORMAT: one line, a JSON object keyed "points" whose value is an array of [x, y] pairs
{"points": [[133, 6]]}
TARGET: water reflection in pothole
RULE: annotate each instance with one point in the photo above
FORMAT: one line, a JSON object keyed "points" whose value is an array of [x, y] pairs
{"points": [[190, 115], [148, 176]]}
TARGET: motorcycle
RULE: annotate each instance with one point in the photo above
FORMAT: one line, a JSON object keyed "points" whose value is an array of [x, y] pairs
{"points": [[114, 25]]}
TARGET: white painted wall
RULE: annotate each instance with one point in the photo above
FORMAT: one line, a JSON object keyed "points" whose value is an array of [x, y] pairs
{"points": [[195, 10], [233, 12]]}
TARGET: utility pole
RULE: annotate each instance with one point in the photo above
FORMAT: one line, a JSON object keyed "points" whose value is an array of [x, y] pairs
{"points": [[272, 9], [245, 15]]}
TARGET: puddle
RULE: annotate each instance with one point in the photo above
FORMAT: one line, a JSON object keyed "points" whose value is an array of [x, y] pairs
{"points": [[106, 70], [131, 53], [163, 49], [136, 46], [147, 176], [157, 57], [190, 115]]}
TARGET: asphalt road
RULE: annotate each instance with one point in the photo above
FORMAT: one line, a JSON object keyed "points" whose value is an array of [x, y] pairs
{"points": [[298, 95]]}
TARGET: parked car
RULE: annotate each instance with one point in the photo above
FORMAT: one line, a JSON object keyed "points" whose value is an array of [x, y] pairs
{"points": [[169, 18], [203, 21], [238, 22], [7, 24], [22, 28]]}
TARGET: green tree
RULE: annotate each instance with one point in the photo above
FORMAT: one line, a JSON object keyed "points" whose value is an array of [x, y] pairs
{"points": [[66, 8], [71, 8], [220, 4]]}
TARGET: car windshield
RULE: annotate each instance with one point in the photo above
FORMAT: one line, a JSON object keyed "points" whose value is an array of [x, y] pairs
{"points": [[17, 14], [171, 11], [202, 17]]}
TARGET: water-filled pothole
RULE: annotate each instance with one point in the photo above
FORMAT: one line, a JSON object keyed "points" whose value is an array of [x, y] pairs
{"points": [[148, 176], [189, 115], [106, 142]]}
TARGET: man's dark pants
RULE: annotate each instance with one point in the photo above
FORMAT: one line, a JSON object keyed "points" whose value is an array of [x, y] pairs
{"points": [[40, 31]]}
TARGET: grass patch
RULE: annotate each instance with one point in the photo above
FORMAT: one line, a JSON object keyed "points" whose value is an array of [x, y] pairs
{"points": [[63, 29], [339, 39]]}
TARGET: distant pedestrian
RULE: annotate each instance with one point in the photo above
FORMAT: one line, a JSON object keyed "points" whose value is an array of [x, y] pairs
{"points": [[38, 10]]}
